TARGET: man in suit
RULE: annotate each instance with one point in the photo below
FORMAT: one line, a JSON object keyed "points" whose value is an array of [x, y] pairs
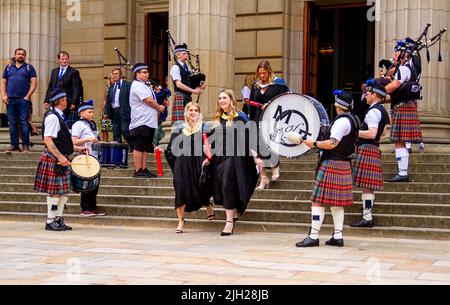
{"points": [[118, 109], [361, 106], [67, 79]]}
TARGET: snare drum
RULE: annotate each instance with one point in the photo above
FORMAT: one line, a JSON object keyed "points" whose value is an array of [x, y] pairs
{"points": [[85, 173], [292, 112]]}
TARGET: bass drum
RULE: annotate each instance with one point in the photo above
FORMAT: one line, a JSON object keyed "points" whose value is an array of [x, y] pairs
{"points": [[292, 112], [85, 173]]}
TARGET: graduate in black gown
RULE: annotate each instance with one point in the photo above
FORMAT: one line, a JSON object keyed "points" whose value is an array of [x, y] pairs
{"points": [[234, 170], [265, 89], [186, 158]]}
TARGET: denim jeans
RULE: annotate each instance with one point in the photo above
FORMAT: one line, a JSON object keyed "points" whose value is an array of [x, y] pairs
{"points": [[18, 110]]}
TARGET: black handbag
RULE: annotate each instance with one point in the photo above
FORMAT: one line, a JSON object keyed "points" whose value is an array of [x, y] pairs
{"points": [[204, 177]]}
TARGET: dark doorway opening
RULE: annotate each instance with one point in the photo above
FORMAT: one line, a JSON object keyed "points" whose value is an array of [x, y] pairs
{"points": [[340, 51], [157, 46]]}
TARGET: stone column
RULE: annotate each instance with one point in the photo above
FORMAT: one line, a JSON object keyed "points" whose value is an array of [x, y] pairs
{"points": [[399, 19], [34, 26], [208, 27]]}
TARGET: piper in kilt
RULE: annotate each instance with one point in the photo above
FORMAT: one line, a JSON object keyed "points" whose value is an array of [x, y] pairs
{"points": [[405, 118], [180, 74], [53, 172], [333, 184], [367, 170]]}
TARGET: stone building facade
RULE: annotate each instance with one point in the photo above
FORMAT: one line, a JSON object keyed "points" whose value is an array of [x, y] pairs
{"points": [[231, 37]]}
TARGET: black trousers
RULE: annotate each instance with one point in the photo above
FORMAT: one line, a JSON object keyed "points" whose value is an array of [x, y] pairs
{"points": [[121, 127], [89, 200]]}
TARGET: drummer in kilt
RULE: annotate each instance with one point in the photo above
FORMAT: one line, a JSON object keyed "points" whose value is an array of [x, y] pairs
{"points": [[367, 170], [333, 184], [53, 172]]}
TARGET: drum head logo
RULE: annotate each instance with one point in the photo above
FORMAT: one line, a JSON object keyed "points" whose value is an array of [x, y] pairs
{"points": [[288, 121]]}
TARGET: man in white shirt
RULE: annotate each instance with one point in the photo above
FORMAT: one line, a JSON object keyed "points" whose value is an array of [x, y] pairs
{"points": [[334, 177], [117, 107], [405, 117], [53, 172], [180, 74], [144, 120]]}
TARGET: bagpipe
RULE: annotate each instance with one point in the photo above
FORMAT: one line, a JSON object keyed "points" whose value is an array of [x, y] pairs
{"points": [[410, 90], [196, 79], [125, 64]]}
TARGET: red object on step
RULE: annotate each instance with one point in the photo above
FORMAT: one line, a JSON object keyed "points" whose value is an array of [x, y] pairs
{"points": [[158, 162]]}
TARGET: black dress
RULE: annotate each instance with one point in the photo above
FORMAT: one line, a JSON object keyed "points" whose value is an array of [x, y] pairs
{"points": [[274, 89], [234, 176], [186, 164]]}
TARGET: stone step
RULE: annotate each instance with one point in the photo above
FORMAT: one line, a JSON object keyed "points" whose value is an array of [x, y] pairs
{"points": [[241, 228], [287, 175], [261, 204], [417, 168], [250, 215], [434, 187], [272, 194], [442, 158]]}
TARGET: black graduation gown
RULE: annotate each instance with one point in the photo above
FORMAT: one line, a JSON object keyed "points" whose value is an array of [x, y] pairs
{"points": [[186, 168], [234, 177]]}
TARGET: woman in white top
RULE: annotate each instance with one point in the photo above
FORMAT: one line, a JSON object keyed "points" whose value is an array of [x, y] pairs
{"points": [[246, 91]]}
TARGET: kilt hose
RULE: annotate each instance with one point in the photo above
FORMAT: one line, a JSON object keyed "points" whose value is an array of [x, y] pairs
{"points": [[367, 170], [333, 184], [406, 124], [47, 180], [180, 101]]}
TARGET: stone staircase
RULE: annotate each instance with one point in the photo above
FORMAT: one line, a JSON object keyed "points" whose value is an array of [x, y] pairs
{"points": [[420, 209]]}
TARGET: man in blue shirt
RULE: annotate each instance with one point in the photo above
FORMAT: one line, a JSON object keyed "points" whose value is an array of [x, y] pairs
{"points": [[19, 81]]}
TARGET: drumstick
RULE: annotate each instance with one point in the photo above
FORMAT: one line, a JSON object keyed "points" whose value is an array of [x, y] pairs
{"points": [[87, 154]]}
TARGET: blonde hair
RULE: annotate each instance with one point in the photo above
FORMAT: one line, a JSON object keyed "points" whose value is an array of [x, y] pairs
{"points": [[192, 126], [265, 64], [234, 108], [249, 80]]}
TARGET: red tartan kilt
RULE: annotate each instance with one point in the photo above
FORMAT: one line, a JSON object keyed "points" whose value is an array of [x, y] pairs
{"points": [[406, 123], [333, 184], [178, 108], [367, 170], [46, 179]]}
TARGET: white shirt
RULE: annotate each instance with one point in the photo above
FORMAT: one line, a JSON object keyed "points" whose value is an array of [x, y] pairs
{"points": [[141, 113], [64, 70], [363, 96], [82, 130], [116, 101], [404, 72], [52, 126], [373, 117], [175, 72], [340, 129], [245, 92]]}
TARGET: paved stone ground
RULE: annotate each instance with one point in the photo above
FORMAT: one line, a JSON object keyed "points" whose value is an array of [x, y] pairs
{"points": [[124, 255]]}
